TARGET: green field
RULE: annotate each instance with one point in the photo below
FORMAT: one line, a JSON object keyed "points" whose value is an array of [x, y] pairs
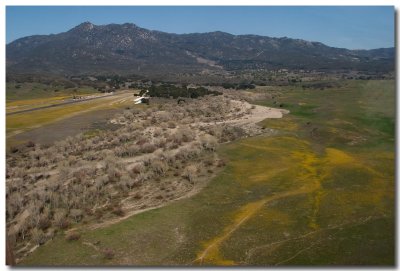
{"points": [[320, 192]]}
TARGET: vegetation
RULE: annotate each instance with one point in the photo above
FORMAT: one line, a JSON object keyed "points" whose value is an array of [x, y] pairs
{"points": [[97, 178], [169, 90], [317, 189]]}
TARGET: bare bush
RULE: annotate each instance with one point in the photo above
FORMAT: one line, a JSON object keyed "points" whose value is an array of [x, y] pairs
{"points": [[72, 236], [190, 173], [159, 167], [108, 253], [38, 237], [138, 168], [76, 214], [187, 134], [171, 124], [209, 142], [148, 148], [118, 211], [113, 174]]}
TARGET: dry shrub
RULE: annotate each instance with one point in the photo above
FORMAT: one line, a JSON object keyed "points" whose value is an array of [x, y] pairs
{"points": [[221, 163], [159, 167], [148, 148], [187, 135], [44, 222], [118, 211], [160, 142], [209, 142], [38, 237], [113, 174], [137, 196], [72, 236], [137, 169], [171, 124], [30, 144], [190, 173], [108, 253], [76, 214]]}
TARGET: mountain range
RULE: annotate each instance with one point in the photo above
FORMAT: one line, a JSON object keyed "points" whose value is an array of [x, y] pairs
{"points": [[129, 49]]}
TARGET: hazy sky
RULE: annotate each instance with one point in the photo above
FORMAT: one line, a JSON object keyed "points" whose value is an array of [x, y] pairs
{"points": [[346, 27]]}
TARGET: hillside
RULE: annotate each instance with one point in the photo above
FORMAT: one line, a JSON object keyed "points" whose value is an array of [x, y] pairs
{"points": [[127, 49]]}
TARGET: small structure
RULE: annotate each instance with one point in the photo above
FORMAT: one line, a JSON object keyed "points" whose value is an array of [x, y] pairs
{"points": [[144, 99]]}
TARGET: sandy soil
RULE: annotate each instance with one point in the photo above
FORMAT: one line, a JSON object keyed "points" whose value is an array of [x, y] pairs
{"points": [[250, 116]]}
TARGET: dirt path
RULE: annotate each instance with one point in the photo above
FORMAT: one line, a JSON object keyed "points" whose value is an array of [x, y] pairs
{"points": [[211, 252], [251, 115], [257, 113]]}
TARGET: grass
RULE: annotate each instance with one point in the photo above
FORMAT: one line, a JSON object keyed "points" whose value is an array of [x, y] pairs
{"points": [[321, 192]]}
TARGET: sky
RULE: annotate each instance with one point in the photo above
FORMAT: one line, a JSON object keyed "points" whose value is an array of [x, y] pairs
{"points": [[357, 27]]}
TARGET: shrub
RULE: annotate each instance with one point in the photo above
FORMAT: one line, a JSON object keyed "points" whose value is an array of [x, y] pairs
{"points": [[30, 144], [220, 163], [44, 222], [160, 142], [148, 148], [190, 173], [137, 196], [187, 135], [157, 132], [159, 167], [113, 174], [76, 214], [108, 253], [72, 236], [171, 124], [209, 143], [118, 211], [137, 169], [38, 237]]}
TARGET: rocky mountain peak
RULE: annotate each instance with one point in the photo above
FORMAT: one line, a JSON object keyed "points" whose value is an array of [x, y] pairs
{"points": [[85, 26]]}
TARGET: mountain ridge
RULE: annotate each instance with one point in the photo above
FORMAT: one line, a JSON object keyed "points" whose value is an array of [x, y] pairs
{"points": [[128, 48]]}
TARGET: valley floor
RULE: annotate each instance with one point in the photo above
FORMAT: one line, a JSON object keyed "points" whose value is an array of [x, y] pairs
{"points": [[317, 190]]}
